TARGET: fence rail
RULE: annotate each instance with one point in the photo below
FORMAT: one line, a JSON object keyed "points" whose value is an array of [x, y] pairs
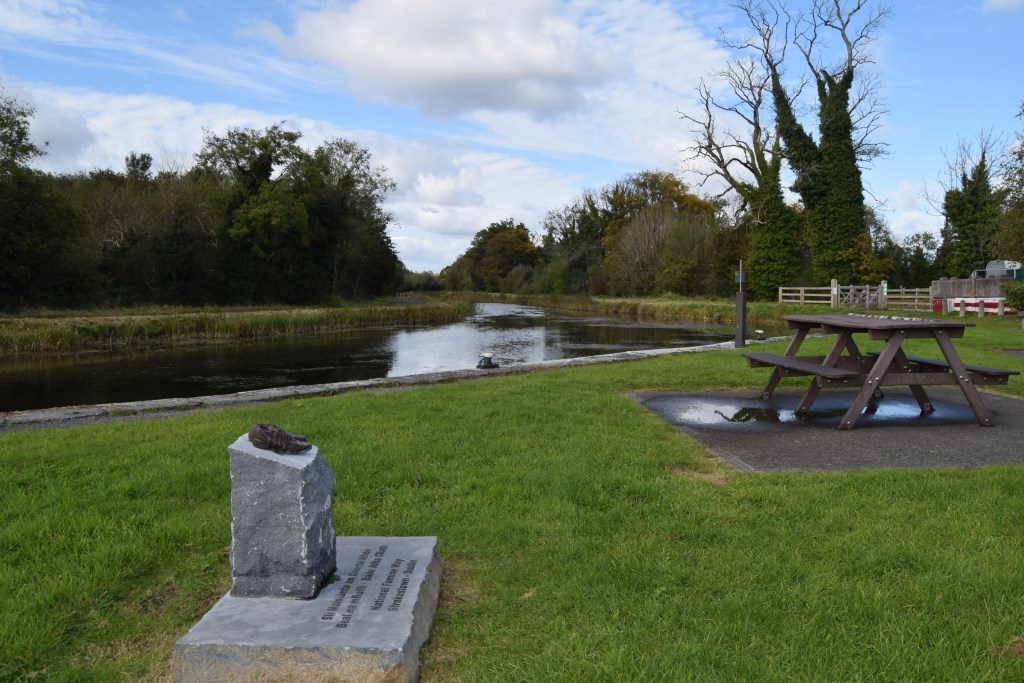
{"points": [[919, 299], [805, 295], [859, 296]]}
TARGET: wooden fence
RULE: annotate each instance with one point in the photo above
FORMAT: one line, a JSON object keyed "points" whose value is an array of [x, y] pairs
{"points": [[909, 299], [859, 296], [805, 295]]}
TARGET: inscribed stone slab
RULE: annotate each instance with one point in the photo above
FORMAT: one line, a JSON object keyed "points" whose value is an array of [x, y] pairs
{"points": [[367, 624]]}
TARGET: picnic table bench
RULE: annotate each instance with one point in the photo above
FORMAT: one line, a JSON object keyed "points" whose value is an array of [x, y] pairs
{"points": [[846, 366], [979, 374]]}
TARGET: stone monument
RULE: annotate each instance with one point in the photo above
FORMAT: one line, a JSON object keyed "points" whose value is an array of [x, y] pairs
{"points": [[306, 605], [282, 521]]}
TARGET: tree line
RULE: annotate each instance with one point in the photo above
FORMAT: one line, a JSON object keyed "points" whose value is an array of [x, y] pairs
{"points": [[649, 233], [256, 218]]}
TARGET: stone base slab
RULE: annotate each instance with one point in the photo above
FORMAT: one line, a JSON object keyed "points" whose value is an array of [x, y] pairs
{"points": [[367, 623]]}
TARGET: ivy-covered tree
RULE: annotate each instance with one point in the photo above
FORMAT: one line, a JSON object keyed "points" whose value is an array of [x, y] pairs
{"points": [[828, 177]]}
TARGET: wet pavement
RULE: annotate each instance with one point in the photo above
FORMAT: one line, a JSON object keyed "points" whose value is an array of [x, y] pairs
{"points": [[753, 435]]}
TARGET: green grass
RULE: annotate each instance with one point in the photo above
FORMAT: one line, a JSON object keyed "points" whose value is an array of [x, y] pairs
{"points": [[583, 538]]}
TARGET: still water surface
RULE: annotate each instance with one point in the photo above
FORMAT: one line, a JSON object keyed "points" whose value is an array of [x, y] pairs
{"points": [[514, 334]]}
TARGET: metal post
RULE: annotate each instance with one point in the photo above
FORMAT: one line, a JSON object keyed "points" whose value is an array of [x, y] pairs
{"points": [[741, 319], [741, 310]]}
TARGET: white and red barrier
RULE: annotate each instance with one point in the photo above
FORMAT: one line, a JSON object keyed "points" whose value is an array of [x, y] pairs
{"points": [[978, 306]]}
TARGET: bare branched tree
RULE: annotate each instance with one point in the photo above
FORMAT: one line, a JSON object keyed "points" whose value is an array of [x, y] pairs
{"points": [[740, 159]]}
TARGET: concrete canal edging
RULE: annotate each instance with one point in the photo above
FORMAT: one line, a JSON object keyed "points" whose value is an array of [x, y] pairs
{"points": [[169, 407]]}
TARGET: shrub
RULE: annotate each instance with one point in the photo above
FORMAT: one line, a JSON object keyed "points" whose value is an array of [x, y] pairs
{"points": [[1014, 294]]}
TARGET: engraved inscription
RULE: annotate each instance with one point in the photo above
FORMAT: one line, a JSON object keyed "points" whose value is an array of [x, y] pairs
{"points": [[389, 589]]}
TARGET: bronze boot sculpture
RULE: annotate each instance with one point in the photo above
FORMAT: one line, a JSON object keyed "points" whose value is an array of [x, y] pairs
{"points": [[273, 438]]}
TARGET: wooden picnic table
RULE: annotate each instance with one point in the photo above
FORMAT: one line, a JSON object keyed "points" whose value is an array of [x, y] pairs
{"points": [[846, 367]]}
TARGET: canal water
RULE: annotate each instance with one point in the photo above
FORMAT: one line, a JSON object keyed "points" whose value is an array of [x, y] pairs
{"points": [[514, 334]]}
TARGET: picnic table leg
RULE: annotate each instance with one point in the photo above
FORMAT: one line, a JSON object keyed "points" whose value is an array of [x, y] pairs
{"points": [[872, 380], [794, 346], [843, 341], [963, 378], [916, 389], [854, 351]]}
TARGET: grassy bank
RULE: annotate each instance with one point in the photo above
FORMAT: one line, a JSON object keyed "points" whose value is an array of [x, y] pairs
{"points": [[94, 330], [63, 332], [583, 538], [665, 308]]}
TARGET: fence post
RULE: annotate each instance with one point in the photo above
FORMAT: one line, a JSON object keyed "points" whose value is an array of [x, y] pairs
{"points": [[835, 294], [883, 295], [780, 295]]}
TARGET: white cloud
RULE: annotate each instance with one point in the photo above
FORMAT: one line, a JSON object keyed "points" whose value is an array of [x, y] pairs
{"points": [[88, 129], [906, 223], [601, 77], [53, 21], [76, 31], [476, 189], [421, 254], [1002, 5], [449, 57], [631, 120], [907, 196], [909, 209]]}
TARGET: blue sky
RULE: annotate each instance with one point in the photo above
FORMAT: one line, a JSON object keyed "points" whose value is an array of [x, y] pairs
{"points": [[480, 110]]}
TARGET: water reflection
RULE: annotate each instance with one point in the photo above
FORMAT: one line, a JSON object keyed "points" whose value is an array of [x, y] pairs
{"points": [[739, 412], [514, 334]]}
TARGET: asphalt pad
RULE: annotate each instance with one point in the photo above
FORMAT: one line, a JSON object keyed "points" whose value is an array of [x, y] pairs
{"points": [[755, 435]]}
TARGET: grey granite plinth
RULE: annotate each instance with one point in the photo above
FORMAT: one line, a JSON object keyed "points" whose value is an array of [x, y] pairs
{"points": [[366, 625], [282, 522]]}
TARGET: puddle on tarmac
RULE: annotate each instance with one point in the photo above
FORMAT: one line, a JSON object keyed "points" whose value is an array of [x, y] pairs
{"points": [[737, 411]]}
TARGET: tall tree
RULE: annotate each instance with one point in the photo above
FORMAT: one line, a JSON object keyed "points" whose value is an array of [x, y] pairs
{"points": [[301, 225], [495, 252], [16, 146], [828, 177], [1010, 237], [750, 164], [348, 218], [638, 213], [40, 232], [573, 244], [972, 212]]}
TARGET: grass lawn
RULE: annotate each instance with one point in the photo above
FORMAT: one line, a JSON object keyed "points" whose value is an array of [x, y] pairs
{"points": [[583, 538]]}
